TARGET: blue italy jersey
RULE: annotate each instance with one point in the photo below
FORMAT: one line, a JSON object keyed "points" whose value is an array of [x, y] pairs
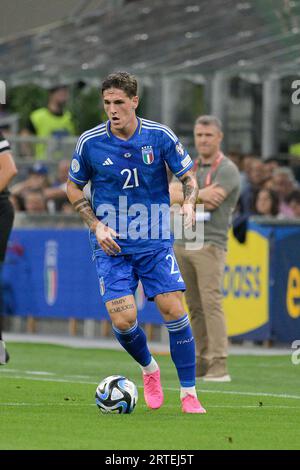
{"points": [[129, 184]]}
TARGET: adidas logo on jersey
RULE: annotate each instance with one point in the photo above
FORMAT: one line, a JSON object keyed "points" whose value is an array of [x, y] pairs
{"points": [[180, 279], [108, 161]]}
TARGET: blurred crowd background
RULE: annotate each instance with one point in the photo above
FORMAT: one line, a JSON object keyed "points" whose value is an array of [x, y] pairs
{"points": [[242, 67]]}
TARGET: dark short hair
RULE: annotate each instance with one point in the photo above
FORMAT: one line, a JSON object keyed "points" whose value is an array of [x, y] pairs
{"points": [[121, 80], [55, 88], [271, 160], [209, 120], [275, 203]]}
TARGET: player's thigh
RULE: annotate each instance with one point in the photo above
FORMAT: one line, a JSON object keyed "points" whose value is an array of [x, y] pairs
{"points": [[122, 312], [170, 305], [159, 272], [116, 277]]}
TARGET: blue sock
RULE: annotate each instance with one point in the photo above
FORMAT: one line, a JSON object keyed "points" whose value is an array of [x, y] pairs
{"points": [[182, 348], [134, 341]]}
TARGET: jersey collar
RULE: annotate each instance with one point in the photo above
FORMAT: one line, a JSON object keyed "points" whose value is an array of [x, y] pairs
{"points": [[138, 129]]}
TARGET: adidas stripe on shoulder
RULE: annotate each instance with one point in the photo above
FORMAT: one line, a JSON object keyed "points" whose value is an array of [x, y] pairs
{"points": [[94, 132], [152, 125]]}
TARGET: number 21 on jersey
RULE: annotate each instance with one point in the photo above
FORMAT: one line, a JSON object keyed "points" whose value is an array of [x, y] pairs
{"points": [[132, 180]]}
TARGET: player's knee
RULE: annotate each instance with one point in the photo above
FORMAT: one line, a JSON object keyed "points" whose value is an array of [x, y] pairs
{"points": [[172, 311], [172, 315], [124, 324]]}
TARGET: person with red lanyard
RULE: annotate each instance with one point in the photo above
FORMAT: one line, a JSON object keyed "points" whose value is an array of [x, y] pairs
{"points": [[7, 171], [202, 269]]}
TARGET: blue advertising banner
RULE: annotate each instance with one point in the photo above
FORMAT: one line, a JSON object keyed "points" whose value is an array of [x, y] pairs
{"points": [[50, 273], [285, 290]]}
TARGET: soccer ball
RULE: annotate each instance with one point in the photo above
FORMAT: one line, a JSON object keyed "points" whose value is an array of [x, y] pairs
{"points": [[116, 394]]}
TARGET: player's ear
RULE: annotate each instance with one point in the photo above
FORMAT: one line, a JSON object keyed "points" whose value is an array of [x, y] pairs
{"points": [[135, 102]]}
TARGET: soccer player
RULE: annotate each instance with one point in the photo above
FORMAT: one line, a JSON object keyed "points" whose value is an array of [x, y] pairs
{"points": [[125, 160], [7, 171]]}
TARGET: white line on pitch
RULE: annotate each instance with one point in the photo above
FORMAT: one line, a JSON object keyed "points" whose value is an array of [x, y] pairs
{"points": [[42, 372], [171, 389], [44, 379], [71, 403], [38, 372]]}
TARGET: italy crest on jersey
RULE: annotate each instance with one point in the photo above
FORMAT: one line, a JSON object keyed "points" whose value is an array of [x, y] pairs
{"points": [[148, 155]]}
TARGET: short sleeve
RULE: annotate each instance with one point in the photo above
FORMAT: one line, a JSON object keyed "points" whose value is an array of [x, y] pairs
{"points": [[228, 178], [79, 171], [176, 156]]}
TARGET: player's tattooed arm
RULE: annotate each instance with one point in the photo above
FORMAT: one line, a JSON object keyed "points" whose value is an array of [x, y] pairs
{"points": [[81, 205], [84, 208], [190, 187], [190, 193], [103, 233]]}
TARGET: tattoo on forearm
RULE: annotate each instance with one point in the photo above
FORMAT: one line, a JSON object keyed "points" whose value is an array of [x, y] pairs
{"points": [[190, 189], [84, 208], [76, 204], [187, 189]]}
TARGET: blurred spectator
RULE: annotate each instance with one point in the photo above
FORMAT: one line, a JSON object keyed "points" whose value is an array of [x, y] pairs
{"points": [[267, 184], [56, 194], [270, 164], [293, 201], [17, 202], [256, 177], [266, 203], [51, 121], [37, 180], [34, 202], [238, 159], [284, 183], [247, 163]]}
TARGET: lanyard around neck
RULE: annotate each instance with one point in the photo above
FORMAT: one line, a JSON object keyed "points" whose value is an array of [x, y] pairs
{"points": [[213, 168]]}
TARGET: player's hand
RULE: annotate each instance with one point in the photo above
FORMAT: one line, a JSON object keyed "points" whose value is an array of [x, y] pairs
{"points": [[105, 239], [188, 212]]}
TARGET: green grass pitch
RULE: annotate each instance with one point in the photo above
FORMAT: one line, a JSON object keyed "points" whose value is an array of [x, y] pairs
{"points": [[47, 402]]}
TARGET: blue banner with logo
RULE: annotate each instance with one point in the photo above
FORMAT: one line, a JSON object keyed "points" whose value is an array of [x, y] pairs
{"points": [[50, 273], [285, 284]]}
